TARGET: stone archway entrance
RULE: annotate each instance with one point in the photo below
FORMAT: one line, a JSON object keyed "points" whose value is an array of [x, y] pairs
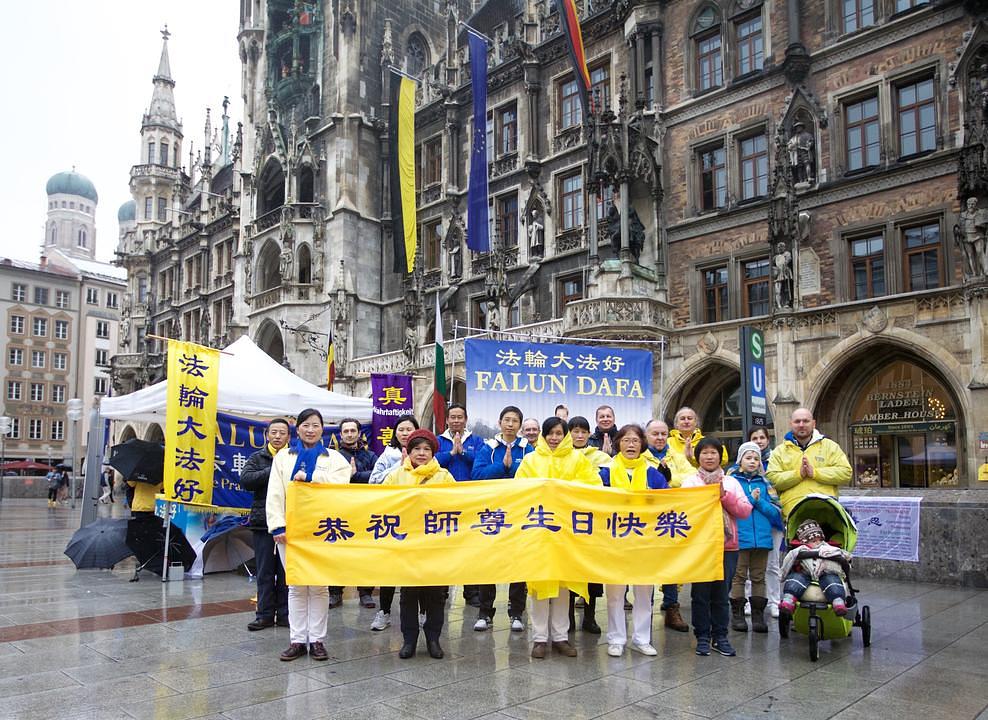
{"points": [[715, 395], [897, 419], [270, 341]]}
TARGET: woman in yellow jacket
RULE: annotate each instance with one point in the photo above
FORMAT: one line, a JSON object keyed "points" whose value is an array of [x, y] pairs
{"points": [[684, 437], [554, 457], [420, 467], [579, 431]]}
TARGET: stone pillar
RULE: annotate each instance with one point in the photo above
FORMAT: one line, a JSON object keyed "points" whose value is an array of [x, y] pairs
{"points": [[639, 73], [786, 374], [625, 225], [792, 13], [657, 90], [532, 89]]}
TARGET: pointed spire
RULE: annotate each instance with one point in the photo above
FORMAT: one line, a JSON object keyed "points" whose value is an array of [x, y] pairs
{"points": [[164, 68], [162, 109], [208, 159]]}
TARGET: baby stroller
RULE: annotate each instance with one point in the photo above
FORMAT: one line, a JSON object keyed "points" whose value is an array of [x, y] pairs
{"points": [[814, 616]]}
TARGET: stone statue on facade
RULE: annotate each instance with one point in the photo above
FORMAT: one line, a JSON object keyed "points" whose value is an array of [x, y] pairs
{"points": [[285, 265], [125, 329], [455, 255], [636, 231], [971, 236], [536, 231], [802, 157], [783, 277], [410, 346]]}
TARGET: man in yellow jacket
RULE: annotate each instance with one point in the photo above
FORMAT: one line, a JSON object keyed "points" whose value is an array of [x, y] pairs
{"points": [[806, 462]]}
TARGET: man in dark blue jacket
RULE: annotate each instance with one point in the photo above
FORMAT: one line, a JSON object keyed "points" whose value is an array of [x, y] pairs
{"points": [[362, 459], [457, 451], [272, 592]]}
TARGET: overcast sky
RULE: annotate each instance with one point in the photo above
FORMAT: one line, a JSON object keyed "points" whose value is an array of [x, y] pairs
{"points": [[76, 80]]}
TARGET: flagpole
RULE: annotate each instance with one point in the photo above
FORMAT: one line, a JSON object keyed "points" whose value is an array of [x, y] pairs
{"points": [[398, 71], [452, 360], [477, 32]]}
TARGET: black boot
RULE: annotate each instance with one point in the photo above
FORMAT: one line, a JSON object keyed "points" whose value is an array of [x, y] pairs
{"points": [[758, 614], [572, 616], [589, 621], [737, 615]]}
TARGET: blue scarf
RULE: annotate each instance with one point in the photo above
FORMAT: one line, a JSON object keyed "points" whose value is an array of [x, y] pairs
{"points": [[306, 457]]}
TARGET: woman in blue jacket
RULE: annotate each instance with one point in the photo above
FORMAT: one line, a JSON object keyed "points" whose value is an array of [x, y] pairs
{"points": [[754, 539], [497, 458]]}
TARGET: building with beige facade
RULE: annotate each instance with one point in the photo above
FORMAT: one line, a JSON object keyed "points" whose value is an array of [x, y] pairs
{"points": [[60, 318]]}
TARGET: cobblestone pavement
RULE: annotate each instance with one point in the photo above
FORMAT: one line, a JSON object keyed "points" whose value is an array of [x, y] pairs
{"points": [[90, 644]]}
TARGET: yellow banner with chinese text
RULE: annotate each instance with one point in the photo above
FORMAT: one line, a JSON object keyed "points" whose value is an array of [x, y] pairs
{"points": [[190, 422], [500, 531]]}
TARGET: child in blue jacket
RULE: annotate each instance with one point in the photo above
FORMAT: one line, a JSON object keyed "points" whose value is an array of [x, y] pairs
{"points": [[754, 539]]}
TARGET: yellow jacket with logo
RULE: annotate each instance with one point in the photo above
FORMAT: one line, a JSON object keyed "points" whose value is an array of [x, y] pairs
{"points": [[144, 495], [677, 446], [830, 469], [563, 463]]}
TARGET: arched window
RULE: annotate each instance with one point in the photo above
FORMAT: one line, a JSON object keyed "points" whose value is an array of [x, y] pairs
{"points": [[416, 55], [164, 153], [306, 184], [304, 265], [272, 187], [150, 152], [142, 288], [708, 51], [53, 235], [82, 241], [176, 154]]}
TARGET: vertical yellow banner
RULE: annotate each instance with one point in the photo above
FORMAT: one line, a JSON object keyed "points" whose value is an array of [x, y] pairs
{"points": [[190, 422]]}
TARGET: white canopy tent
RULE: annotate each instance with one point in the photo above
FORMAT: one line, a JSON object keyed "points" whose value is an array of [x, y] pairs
{"points": [[252, 385]]}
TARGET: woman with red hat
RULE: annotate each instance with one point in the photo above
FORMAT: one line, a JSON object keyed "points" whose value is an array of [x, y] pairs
{"points": [[420, 467]]}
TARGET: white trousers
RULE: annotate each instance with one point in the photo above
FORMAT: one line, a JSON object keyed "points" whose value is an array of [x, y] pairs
{"points": [[641, 615], [550, 617], [308, 610]]}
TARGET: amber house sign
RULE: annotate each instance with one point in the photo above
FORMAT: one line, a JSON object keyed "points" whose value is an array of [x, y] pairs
{"points": [[904, 430]]}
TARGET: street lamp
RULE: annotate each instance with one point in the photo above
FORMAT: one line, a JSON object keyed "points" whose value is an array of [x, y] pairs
{"points": [[4, 431], [73, 411]]}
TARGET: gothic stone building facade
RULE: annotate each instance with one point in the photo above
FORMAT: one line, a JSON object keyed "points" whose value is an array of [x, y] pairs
{"points": [[800, 166]]}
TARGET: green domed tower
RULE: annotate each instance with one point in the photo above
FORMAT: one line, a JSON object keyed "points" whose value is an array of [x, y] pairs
{"points": [[71, 225]]}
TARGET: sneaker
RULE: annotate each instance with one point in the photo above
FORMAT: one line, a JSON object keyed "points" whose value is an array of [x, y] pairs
{"points": [[644, 648], [335, 600], [773, 609], [517, 625], [421, 620], [367, 601], [723, 646], [703, 646], [482, 624], [381, 620], [615, 650], [839, 606], [747, 608]]}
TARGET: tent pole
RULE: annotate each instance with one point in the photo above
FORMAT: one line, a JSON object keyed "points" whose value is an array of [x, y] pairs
{"points": [[168, 532], [94, 466]]}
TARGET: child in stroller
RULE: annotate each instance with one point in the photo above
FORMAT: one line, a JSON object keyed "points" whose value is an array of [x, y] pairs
{"points": [[815, 560]]}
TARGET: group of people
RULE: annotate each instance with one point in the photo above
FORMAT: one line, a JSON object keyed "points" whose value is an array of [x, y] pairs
{"points": [[758, 487]]}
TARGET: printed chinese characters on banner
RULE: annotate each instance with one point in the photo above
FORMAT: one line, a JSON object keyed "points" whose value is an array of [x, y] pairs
{"points": [[538, 376], [497, 532], [190, 424], [392, 396]]}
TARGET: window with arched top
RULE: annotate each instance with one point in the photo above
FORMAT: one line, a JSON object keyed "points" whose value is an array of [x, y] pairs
{"points": [[304, 260], [271, 193], [416, 55], [82, 241], [708, 52], [150, 152], [306, 184], [164, 153]]}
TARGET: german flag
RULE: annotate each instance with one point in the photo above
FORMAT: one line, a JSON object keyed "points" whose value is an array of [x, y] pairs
{"points": [[401, 116], [569, 21]]}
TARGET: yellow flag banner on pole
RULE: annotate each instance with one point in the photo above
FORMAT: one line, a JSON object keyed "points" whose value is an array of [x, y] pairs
{"points": [[499, 531], [190, 422]]}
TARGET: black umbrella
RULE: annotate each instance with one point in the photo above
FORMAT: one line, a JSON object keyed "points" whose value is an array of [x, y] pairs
{"points": [[139, 460], [146, 537], [101, 544]]}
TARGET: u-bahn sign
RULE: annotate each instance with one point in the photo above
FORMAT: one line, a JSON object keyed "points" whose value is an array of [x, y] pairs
{"points": [[754, 403]]}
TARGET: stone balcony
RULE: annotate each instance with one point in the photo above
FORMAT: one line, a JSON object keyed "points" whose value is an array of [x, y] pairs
{"points": [[296, 293], [294, 212], [618, 317]]}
